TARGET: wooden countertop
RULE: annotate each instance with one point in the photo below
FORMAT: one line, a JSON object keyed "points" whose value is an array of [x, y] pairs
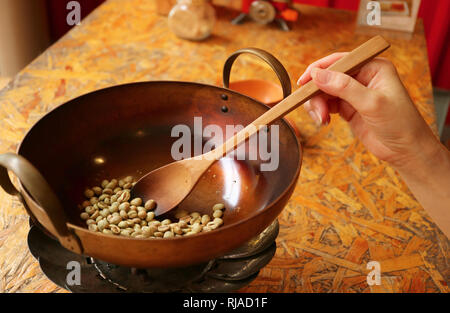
{"points": [[348, 208]]}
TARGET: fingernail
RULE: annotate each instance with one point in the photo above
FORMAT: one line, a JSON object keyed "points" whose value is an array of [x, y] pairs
{"points": [[315, 117], [299, 80], [320, 76]]}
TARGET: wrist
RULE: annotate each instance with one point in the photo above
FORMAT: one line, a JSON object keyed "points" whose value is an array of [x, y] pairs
{"points": [[430, 157]]}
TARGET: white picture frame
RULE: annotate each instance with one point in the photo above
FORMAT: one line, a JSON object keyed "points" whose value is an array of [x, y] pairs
{"points": [[400, 15]]}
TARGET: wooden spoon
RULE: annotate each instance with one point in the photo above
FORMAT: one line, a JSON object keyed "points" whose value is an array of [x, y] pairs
{"points": [[170, 184]]}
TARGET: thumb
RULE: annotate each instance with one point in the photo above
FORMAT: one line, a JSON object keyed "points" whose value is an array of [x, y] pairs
{"points": [[344, 87]]}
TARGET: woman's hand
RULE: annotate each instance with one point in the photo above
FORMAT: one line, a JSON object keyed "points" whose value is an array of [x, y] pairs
{"points": [[376, 105], [383, 116]]}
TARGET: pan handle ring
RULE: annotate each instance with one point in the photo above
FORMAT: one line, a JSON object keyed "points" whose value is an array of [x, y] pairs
{"points": [[276, 65], [41, 192]]}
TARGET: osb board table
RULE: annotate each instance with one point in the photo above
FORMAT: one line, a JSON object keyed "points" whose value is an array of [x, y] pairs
{"points": [[348, 208]]}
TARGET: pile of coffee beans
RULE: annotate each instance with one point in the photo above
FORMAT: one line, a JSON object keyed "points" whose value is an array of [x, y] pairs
{"points": [[109, 209]]}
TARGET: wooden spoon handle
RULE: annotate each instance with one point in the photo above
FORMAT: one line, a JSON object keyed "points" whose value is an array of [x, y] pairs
{"points": [[348, 64]]}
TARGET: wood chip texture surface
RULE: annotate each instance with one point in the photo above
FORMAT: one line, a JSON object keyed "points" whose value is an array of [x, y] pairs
{"points": [[348, 208]]}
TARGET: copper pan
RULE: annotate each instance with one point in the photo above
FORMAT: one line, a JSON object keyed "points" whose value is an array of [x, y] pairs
{"points": [[126, 130]]}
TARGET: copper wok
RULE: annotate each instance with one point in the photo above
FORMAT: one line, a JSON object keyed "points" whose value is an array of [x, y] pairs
{"points": [[126, 130]]}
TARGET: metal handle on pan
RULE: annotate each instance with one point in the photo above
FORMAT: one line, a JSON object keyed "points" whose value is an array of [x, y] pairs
{"points": [[276, 65], [41, 192]]}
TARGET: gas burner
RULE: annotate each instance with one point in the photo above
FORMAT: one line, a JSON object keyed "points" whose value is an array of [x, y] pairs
{"points": [[228, 273]]}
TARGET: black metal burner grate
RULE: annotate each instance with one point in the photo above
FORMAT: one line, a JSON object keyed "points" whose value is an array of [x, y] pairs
{"points": [[227, 273]]}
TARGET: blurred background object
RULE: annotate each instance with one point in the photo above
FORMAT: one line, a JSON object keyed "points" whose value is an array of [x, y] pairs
{"points": [[267, 11], [192, 19]]}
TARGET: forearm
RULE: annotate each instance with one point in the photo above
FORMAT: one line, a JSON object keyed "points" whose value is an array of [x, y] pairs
{"points": [[428, 178]]}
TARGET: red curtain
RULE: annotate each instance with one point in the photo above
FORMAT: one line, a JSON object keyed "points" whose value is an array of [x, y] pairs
{"points": [[436, 17]]}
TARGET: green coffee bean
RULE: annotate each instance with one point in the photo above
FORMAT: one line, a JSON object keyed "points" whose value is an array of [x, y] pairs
{"points": [[112, 184], [212, 225], [218, 206], [104, 212], [197, 228], [97, 190], [168, 234], [142, 214], [206, 229], [102, 205], [123, 214], [155, 223], [108, 191], [93, 200], [114, 229], [124, 206], [177, 230], [102, 224], [104, 183], [195, 215], [125, 232], [136, 201], [182, 224], [150, 204], [166, 222], [205, 219], [125, 196], [150, 216], [89, 210], [127, 186], [114, 207], [103, 197], [88, 193], [163, 228], [115, 220]]}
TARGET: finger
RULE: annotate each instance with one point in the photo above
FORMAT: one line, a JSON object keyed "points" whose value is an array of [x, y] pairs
{"points": [[322, 63], [363, 99], [320, 107], [315, 116]]}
